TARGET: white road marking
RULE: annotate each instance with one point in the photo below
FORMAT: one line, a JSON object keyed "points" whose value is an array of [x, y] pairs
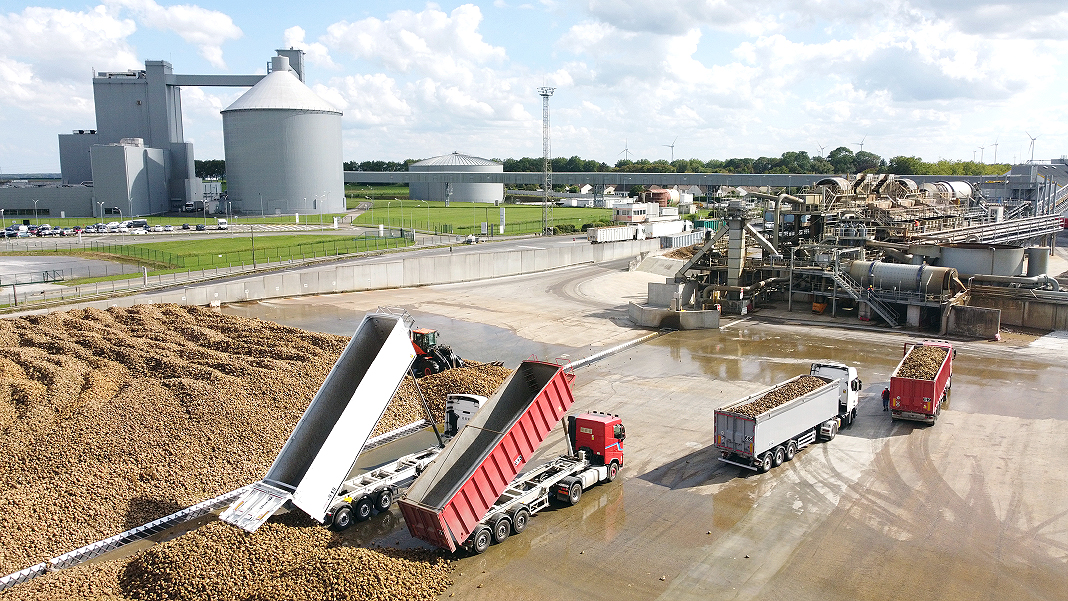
{"points": [[533, 247], [733, 322]]}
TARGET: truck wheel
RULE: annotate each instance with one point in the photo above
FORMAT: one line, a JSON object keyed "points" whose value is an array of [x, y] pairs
{"points": [[502, 527], [480, 540], [520, 519], [791, 449], [613, 470], [778, 457], [384, 500], [574, 493], [342, 518], [362, 509], [765, 463]]}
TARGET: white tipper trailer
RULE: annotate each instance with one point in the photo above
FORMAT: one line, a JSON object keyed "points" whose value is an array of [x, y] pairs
{"points": [[776, 435]]}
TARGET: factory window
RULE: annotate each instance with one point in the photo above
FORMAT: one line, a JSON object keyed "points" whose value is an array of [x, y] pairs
{"points": [[40, 211]]}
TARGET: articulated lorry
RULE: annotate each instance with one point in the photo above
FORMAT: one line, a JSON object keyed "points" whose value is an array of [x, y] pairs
{"points": [[763, 430], [473, 494], [921, 382]]}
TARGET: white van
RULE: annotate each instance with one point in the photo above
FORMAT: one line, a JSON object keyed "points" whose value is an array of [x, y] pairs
{"points": [[222, 224]]}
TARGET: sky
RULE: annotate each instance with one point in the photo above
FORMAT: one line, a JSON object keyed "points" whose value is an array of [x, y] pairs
{"points": [[938, 79]]}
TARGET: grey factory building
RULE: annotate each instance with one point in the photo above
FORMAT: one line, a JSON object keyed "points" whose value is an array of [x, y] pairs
{"points": [[136, 162]]}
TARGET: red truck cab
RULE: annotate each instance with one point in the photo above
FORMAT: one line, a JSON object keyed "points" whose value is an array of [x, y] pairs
{"points": [[600, 435]]}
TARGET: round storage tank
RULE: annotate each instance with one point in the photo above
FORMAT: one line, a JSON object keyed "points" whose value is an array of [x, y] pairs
{"points": [[922, 279], [461, 192], [283, 148], [983, 259]]}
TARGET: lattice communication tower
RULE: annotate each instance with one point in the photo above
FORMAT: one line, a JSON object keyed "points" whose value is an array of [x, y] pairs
{"points": [[546, 167]]}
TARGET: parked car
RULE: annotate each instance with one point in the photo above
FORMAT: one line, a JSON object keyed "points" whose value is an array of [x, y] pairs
{"points": [[138, 231], [89, 229], [200, 227], [185, 226], [168, 228], [157, 228], [122, 229]]}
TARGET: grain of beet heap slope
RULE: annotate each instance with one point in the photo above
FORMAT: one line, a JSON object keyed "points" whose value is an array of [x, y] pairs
{"points": [[922, 363], [113, 418], [779, 396]]}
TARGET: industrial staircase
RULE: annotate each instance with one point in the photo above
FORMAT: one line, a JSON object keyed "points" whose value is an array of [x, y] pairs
{"points": [[858, 293]]}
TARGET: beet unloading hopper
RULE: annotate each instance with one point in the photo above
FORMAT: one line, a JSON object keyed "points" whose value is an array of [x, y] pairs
{"points": [[329, 437]]}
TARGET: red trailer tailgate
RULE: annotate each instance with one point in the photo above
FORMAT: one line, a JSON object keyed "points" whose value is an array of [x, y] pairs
{"points": [[478, 464]]}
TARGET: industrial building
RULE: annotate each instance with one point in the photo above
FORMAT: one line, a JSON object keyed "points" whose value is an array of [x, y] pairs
{"points": [[283, 148], [136, 161], [460, 192]]}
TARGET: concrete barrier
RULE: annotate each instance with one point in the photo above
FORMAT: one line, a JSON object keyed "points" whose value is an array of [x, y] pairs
{"points": [[662, 317], [978, 322], [404, 272]]}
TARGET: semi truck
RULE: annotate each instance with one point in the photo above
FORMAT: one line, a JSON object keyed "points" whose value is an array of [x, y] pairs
{"points": [[921, 398], [474, 493], [618, 233], [762, 440]]}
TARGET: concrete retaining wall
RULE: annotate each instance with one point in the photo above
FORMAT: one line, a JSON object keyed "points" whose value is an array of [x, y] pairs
{"points": [[446, 268], [978, 322], [1037, 314], [662, 317]]}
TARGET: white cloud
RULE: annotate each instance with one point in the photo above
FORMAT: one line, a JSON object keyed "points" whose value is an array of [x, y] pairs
{"points": [[204, 28], [367, 100], [316, 53]]}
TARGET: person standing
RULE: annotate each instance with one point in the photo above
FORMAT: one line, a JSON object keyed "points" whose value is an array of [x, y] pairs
{"points": [[886, 399]]}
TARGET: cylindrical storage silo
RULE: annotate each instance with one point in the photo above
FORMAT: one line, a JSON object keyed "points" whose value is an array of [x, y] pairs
{"points": [[283, 148], [461, 191], [982, 259], [1037, 261], [922, 279]]}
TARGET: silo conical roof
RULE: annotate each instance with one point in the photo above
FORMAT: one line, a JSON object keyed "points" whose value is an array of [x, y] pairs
{"points": [[455, 159], [281, 90]]}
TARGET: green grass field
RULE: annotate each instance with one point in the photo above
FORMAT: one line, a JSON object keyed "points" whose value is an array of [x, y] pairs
{"points": [[222, 252], [466, 217]]}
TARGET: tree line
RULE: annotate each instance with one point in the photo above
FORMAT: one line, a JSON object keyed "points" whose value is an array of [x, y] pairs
{"points": [[841, 160]]}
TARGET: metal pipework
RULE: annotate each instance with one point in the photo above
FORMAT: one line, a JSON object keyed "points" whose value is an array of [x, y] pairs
{"points": [[1041, 282], [706, 293]]}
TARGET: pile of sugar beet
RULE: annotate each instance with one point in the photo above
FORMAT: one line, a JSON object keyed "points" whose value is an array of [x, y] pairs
{"points": [[114, 418]]}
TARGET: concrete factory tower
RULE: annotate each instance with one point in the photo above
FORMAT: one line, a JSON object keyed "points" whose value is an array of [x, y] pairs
{"points": [[283, 148]]}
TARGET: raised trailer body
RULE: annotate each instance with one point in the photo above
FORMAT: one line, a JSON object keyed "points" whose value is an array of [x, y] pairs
{"points": [[446, 502], [324, 445], [565, 477], [921, 400], [765, 441]]}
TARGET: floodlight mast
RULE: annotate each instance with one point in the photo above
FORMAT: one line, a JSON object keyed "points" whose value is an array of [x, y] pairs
{"points": [[546, 168]]}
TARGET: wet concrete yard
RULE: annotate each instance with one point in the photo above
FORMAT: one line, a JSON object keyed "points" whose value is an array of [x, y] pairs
{"points": [[975, 507]]}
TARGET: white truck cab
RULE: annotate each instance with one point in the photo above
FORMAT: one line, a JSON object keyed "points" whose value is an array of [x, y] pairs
{"points": [[849, 386]]}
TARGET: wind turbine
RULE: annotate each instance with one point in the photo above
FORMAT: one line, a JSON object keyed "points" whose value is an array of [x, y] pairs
{"points": [[995, 145], [672, 147], [1033, 138], [626, 150], [982, 149], [821, 149], [861, 143]]}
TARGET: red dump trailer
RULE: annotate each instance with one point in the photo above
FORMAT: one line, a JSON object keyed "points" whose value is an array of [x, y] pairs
{"points": [[921, 400], [449, 505]]}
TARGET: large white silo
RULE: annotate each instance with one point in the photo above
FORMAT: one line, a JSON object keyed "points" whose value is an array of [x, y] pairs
{"points": [[283, 148], [461, 192]]}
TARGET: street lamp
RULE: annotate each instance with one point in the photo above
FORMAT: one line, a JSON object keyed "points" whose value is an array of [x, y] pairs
{"points": [[100, 210], [389, 221], [35, 221], [121, 233]]}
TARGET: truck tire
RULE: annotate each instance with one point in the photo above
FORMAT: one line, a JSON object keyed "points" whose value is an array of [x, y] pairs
{"points": [[574, 493], [520, 519], [480, 540], [613, 470], [342, 518], [501, 527], [778, 457], [362, 509], [791, 449], [383, 500], [765, 463]]}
